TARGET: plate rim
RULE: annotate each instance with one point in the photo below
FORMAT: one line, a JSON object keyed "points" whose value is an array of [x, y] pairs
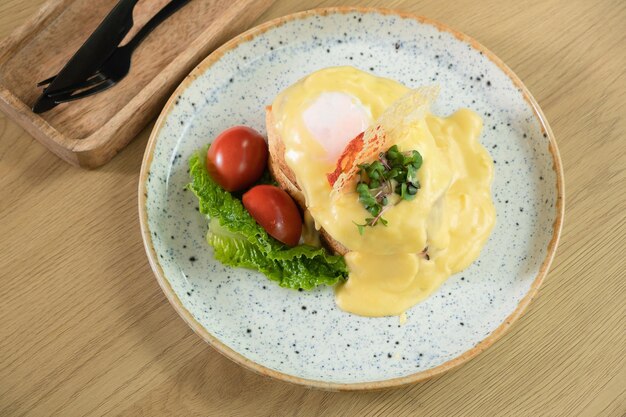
{"points": [[240, 359]]}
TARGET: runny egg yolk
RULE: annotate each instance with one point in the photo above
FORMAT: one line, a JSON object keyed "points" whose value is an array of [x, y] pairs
{"points": [[451, 216]]}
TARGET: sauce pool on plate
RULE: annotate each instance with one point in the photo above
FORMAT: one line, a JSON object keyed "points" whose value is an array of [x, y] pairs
{"points": [[427, 239]]}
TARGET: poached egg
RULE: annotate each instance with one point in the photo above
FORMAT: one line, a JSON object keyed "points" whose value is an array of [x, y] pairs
{"points": [[438, 233]]}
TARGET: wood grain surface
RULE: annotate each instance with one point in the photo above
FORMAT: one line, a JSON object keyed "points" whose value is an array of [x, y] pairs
{"points": [[89, 132], [85, 329]]}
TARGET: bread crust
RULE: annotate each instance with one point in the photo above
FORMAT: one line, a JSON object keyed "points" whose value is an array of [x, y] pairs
{"points": [[286, 178]]}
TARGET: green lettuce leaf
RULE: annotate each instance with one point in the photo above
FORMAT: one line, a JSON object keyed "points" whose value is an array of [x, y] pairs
{"points": [[239, 241]]}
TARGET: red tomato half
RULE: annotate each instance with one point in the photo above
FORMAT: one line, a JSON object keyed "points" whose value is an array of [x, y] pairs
{"points": [[237, 158], [275, 211]]}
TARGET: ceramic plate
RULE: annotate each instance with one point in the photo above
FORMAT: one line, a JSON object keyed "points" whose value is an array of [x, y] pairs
{"points": [[303, 337]]}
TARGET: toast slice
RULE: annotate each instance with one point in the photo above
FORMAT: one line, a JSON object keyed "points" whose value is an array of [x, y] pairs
{"points": [[286, 179]]}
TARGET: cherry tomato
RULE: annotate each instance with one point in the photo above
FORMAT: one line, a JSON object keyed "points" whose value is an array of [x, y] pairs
{"points": [[237, 158], [275, 211]]}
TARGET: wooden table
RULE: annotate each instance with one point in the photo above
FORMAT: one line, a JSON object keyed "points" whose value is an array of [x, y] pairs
{"points": [[86, 330]]}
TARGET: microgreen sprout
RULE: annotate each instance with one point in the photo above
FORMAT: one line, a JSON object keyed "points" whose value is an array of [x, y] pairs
{"points": [[394, 172]]}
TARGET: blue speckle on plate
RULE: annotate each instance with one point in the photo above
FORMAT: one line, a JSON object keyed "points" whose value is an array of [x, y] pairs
{"points": [[304, 334]]}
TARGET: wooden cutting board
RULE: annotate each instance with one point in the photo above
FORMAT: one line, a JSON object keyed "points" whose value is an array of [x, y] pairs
{"points": [[89, 132]]}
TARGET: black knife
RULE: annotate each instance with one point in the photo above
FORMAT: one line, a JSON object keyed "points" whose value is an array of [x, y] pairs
{"points": [[92, 54]]}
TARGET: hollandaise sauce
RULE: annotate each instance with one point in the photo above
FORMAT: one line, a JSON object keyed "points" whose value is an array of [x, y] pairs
{"points": [[438, 233]]}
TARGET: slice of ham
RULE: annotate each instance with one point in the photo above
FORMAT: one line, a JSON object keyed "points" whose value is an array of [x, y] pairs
{"points": [[403, 113], [360, 149]]}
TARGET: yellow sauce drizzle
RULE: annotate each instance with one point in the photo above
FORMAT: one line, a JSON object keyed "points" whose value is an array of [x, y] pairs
{"points": [[452, 214]]}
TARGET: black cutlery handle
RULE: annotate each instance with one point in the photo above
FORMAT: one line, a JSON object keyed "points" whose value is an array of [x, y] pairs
{"points": [[156, 20]]}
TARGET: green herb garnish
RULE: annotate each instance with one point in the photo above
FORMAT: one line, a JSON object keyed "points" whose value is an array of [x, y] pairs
{"points": [[394, 172]]}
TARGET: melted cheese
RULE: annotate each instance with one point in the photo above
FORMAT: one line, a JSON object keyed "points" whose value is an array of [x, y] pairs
{"points": [[452, 214]]}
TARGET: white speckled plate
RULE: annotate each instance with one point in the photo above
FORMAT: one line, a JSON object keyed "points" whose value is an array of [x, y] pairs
{"points": [[303, 337]]}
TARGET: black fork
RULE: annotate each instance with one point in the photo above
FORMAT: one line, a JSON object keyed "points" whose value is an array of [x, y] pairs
{"points": [[116, 66]]}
